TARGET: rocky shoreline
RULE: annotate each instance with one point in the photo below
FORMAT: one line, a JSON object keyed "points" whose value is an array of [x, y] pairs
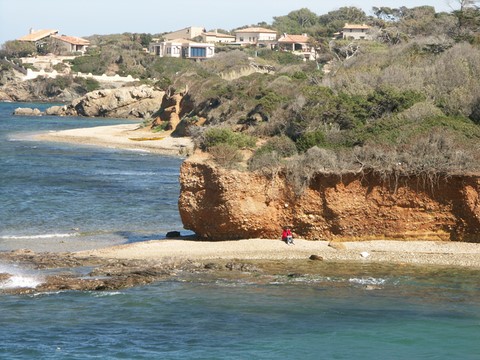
{"points": [[254, 260], [183, 260]]}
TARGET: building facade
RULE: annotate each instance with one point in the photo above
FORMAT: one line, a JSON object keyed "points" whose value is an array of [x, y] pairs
{"points": [[71, 43], [182, 48], [216, 37], [356, 32], [255, 36]]}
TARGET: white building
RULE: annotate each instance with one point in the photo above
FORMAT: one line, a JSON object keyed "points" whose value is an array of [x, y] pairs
{"points": [[255, 36], [183, 48], [216, 37]]}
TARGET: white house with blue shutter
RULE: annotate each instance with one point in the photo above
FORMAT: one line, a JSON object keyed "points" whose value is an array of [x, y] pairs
{"points": [[183, 48]]}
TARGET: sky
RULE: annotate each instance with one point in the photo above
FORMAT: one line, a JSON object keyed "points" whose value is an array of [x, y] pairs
{"points": [[89, 17]]}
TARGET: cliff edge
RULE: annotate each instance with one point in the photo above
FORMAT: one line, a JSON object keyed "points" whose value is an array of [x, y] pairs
{"points": [[220, 204]]}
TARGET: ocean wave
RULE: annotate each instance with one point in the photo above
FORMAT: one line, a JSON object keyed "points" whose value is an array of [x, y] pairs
{"points": [[41, 236]]}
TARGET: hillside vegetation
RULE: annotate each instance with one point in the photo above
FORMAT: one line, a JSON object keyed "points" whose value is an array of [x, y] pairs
{"points": [[406, 103]]}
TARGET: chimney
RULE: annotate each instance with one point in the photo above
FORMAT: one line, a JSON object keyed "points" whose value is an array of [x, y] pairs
{"points": [[31, 31]]}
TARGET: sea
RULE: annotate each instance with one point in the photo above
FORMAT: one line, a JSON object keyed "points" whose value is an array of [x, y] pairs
{"points": [[64, 197]]}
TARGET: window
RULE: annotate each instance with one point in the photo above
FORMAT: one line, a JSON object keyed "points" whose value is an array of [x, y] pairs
{"points": [[198, 52]]}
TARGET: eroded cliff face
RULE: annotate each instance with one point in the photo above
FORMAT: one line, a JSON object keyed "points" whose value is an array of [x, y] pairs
{"points": [[224, 204]]}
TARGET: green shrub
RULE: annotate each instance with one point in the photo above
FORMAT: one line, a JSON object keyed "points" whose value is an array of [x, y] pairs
{"points": [[87, 84], [216, 136], [282, 145], [89, 64], [311, 139], [270, 100], [226, 155]]}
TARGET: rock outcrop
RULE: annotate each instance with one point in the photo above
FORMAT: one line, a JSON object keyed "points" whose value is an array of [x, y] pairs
{"points": [[225, 204], [128, 102], [27, 112]]}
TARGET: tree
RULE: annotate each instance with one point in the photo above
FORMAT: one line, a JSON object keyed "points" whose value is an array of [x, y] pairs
{"points": [[296, 22], [17, 48], [335, 20], [468, 19]]}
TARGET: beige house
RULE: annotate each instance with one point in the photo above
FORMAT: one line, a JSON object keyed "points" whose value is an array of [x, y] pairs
{"points": [[183, 48], [356, 32], [256, 36], [187, 33], [71, 43], [216, 37], [297, 44]]}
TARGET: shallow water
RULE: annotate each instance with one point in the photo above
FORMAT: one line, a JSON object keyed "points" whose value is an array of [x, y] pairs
{"points": [[238, 320], [65, 197]]}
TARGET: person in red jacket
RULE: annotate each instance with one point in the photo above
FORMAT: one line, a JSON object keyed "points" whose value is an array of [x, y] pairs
{"points": [[287, 235]]}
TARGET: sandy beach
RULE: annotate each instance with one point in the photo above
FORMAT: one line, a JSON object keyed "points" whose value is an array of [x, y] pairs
{"points": [[125, 136], [379, 251], [132, 137]]}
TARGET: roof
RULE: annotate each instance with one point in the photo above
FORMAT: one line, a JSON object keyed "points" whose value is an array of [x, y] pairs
{"points": [[72, 40], [186, 41], [356, 26], [286, 38], [256, 30], [38, 35], [217, 34]]}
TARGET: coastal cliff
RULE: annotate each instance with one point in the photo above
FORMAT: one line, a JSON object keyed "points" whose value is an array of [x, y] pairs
{"points": [[128, 102], [226, 204]]}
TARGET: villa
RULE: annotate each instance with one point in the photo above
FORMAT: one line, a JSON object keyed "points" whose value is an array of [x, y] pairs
{"points": [[71, 43], [297, 44], [183, 48], [256, 36]]}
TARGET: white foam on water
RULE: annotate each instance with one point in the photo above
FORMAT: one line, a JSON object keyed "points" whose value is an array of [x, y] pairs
{"points": [[107, 293], [367, 281], [19, 281], [42, 236], [19, 278]]}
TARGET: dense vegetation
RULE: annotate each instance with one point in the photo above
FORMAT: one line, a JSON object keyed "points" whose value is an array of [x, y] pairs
{"points": [[406, 103]]}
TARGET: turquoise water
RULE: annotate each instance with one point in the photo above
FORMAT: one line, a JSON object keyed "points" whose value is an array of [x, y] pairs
{"points": [[56, 196]]}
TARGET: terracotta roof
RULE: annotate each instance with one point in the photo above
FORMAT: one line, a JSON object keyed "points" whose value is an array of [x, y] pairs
{"points": [[72, 40], [286, 38], [356, 26], [38, 35], [256, 30]]}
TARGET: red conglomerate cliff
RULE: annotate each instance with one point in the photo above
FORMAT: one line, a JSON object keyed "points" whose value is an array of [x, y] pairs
{"points": [[221, 204]]}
